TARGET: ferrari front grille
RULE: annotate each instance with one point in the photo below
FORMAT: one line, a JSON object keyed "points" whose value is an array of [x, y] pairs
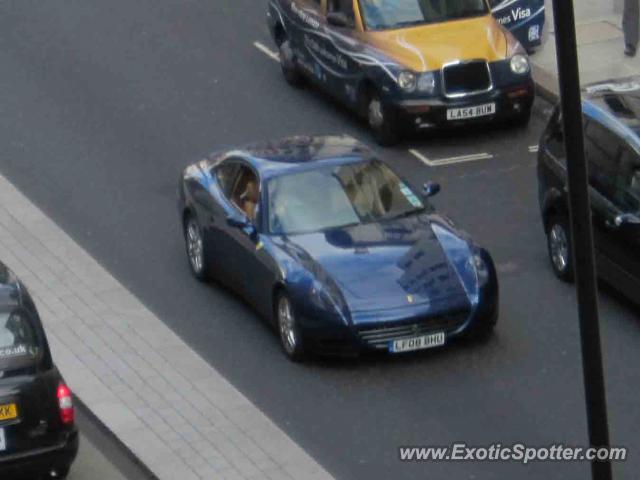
{"points": [[379, 337]]}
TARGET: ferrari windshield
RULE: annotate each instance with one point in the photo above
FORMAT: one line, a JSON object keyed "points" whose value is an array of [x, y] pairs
{"points": [[390, 14], [337, 196]]}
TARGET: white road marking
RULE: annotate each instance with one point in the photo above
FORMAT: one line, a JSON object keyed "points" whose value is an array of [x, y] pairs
{"points": [[267, 51], [533, 148], [450, 160], [420, 157]]}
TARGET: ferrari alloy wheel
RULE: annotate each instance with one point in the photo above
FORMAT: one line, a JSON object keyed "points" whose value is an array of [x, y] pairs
{"points": [[288, 329], [559, 246], [382, 122], [196, 249], [288, 65]]}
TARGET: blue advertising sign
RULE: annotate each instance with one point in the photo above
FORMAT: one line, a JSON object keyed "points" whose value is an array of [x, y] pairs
{"points": [[524, 18]]}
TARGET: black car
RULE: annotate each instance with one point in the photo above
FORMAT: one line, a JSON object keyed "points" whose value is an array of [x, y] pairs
{"points": [[611, 115], [38, 436]]}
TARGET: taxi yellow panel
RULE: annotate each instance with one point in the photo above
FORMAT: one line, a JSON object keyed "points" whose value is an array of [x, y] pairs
{"points": [[8, 411]]}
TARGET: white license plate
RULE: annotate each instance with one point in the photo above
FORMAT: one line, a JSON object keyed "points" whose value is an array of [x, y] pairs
{"points": [[417, 343], [471, 112], [3, 441]]}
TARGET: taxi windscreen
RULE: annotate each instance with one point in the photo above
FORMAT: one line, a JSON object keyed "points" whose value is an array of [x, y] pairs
{"points": [[19, 343], [390, 14]]}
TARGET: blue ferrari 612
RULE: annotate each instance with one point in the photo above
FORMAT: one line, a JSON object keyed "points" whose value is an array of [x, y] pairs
{"points": [[326, 241]]}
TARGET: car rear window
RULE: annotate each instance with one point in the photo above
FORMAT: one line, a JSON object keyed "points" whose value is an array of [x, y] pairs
{"points": [[19, 342]]}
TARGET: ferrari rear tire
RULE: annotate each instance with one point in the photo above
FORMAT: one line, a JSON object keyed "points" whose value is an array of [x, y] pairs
{"points": [[289, 329], [382, 121], [290, 69], [197, 252]]}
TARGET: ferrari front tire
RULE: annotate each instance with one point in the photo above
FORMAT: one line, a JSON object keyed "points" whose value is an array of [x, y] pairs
{"points": [[289, 329]]}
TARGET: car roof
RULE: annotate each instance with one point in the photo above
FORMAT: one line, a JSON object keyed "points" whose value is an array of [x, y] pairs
{"points": [[298, 153], [615, 104]]}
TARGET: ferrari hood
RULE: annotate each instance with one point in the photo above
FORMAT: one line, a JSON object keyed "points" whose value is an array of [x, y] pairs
{"points": [[383, 266], [429, 47]]}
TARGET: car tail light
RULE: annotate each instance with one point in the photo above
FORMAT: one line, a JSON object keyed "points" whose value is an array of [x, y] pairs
{"points": [[65, 404]]}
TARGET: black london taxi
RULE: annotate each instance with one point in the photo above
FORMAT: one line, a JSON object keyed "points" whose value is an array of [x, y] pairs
{"points": [[38, 436], [406, 64]]}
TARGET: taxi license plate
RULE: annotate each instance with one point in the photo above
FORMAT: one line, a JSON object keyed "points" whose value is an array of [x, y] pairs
{"points": [[8, 411], [3, 441], [417, 343], [471, 112]]}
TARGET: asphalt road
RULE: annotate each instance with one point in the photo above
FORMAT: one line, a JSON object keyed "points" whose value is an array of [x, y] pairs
{"points": [[103, 103]]}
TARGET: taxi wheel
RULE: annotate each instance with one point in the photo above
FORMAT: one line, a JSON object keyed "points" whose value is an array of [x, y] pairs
{"points": [[522, 120], [382, 121], [288, 64]]}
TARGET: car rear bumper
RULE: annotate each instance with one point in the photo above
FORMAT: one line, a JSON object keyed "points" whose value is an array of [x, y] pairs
{"points": [[423, 114], [32, 463]]}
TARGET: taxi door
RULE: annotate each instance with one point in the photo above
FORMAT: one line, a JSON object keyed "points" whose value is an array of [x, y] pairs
{"points": [[305, 31], [339, 71]]}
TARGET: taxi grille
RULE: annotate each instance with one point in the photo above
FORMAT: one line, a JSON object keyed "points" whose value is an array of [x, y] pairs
{"points": [[466, 78], [379, 337]]}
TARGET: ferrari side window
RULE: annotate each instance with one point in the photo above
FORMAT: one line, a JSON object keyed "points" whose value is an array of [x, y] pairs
{"points": [[226, 173], [246, 193]]}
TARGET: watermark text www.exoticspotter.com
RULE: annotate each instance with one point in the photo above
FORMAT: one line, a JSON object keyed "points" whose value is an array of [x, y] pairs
{"points": [[518, 452]]}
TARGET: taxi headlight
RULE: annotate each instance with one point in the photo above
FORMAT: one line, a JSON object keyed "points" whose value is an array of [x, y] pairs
{"points": [[519, 64], [407, 81], [427, 82]]}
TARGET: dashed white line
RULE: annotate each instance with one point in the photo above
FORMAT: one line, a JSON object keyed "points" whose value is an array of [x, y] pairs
{"points": [[450, 160], [267, 51], [533, 148]]}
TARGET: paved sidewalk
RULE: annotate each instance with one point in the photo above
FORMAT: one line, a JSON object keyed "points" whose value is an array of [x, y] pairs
{"points": [[174, 411], [600, 46]]}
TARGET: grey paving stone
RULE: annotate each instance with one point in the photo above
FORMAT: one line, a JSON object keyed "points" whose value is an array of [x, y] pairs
{"points": [[174, 411]]}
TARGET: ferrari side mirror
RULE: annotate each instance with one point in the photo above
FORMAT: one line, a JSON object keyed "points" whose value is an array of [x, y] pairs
{"points": [[431, 188]]}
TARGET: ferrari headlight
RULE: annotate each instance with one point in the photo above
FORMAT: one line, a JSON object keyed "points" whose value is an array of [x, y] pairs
{"points": [[480, 267], [520, 64], [407, 81], [460, 257], [427, 83]]}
